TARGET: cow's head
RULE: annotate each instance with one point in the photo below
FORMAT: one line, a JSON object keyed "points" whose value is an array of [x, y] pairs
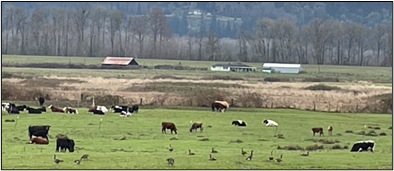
{"points": [[71, 147], [265, 121]]}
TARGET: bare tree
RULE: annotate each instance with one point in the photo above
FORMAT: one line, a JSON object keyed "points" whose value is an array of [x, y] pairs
{"points": [[212, 46], [378, 32], [284, 32], [319, 31], [81, 14], [157, 22], [139, 27]]}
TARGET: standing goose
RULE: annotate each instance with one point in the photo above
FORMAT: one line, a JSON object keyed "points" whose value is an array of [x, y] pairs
{"points": [[271, 157], [78, 161], [170, 161], [214, 151], [250, 156], [243, 152], [57, 161], [305, 154], [190, 152], [279, 159], [211, 158], [85, 156], [170, 148]]}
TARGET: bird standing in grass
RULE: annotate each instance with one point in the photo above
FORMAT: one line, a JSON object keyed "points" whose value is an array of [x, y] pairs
{"points": [[190, 152], [279, 159], [85, 156], [170, 148], [170, 161], [57, 161], [243, 152], [214, 151], [78, 161], [211, 158], [271, 157], [250, 156]]}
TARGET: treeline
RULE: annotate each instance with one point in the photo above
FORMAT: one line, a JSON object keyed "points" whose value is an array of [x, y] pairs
{"points": [[87, 30]]}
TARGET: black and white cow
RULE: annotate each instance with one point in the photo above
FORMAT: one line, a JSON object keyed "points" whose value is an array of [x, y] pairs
{"points": [[38, 131], [119, 109], [238, 123], [65, 143], [363, 146]]}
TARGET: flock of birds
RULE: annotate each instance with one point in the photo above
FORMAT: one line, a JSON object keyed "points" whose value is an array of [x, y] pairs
{"points": [[171, 160], [77, 161]]}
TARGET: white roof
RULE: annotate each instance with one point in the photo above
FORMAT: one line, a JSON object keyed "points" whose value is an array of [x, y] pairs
{"points": [[267, 65]]}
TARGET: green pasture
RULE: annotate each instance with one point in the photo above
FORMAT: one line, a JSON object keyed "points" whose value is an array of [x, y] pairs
{"points": [[356, 72], [145, 147]]}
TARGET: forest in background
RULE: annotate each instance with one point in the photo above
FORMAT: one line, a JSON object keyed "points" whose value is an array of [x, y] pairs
{"points": [[333, 33]]}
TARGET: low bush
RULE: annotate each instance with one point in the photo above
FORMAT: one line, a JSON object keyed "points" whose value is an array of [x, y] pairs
{"points": [[222, 77], [322, 87]]}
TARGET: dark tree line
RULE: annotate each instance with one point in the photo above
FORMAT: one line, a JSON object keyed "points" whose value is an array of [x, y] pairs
{"points": [[87, 30]]}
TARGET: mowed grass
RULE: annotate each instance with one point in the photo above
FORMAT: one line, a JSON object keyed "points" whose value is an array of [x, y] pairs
{"points": [[145, 147], [356, 71]]}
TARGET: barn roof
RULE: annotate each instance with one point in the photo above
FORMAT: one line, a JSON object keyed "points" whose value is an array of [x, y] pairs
{"points": [[269, 65], [117, 61]]}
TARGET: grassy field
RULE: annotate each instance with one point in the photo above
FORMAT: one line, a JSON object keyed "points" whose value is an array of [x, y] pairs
{"points": [[355, 71], [145, 147]]}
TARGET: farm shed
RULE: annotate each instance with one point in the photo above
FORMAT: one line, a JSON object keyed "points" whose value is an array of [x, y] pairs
{"points": [[234, 67], [282, 68], [119, 61]]}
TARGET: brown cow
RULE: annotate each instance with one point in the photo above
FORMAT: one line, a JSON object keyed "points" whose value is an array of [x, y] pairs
{"points": [[317, 130], [168, 125], [55, 109], [329, 130], [195, 126], [38, 140]]}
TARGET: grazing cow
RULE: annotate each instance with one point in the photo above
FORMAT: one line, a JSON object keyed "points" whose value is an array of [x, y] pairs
{"points": [[219, 107], [317, 130], [38, 130], [41, 100], [195, 126], [38, 140], [63, 144], [134, 108], [363, 145], [12, 110], [168, 125], [238, 123], [118, 109], [55, 109], [70, 110], [33, 111], [329, 130]]}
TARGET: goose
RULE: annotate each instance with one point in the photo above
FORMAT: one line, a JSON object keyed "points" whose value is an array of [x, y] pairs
{"points": [[57, 161], [170, 148], [85, 156], [305, 154], [243, 152], [211, 158], [190, 153], [170, 161], [78, 161], [250, 156], [214, 151], [279, 159], [271, 157]]}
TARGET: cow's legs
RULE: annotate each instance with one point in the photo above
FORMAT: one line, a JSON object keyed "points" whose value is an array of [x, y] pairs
{"points": [[163, 130]]}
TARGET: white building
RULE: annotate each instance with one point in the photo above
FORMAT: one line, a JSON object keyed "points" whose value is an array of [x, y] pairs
{"points": [[282, 68], [234, 67]]}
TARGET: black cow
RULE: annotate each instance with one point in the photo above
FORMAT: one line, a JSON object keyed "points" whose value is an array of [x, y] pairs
{"points": [[38, 131], [41, 100], [43, 109], [119, 109], [97, 112], [238, 123], [12, 110], [33, 111], [63, 144], [20, 108], [134, 108]]}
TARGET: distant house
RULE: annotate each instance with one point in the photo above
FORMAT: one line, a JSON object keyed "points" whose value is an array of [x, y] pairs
{"points": [[234, 67], [195, 12], [119, 61], [282, 68]]}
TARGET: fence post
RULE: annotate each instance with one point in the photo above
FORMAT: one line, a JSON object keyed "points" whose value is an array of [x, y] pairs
{"points": [[337, 107], [272, 104], [141, 101], [357, 107], [314, 106], [232, 102], [329, 106], [81, 96]]}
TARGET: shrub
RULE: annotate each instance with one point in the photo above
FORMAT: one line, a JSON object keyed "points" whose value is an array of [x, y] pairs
{"points": [[222, 77], [276, 79], [322, 87]]}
